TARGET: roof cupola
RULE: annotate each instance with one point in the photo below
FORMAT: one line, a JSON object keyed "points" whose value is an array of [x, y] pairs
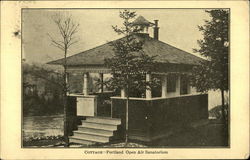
{"points": [[141, 26]]}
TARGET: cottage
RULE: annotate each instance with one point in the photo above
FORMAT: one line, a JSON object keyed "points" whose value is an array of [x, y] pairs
{"points": [[150, 117]]}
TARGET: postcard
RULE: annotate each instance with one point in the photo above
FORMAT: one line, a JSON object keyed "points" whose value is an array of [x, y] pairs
{"points": [[124, 79]]}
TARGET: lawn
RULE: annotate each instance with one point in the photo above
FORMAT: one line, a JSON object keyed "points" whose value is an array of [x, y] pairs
{"points": [[210, 133]]}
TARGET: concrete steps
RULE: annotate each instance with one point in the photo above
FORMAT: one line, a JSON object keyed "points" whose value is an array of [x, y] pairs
{"points": [[106, 120], [108, 127], [78, 140], [91, 137], [95, 130]]}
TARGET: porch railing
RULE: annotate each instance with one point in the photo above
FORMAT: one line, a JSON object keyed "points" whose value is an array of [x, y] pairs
{"points": [[149, 117]]}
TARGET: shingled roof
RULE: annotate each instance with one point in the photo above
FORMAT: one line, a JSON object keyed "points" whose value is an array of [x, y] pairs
{"points": [[164, 53]]}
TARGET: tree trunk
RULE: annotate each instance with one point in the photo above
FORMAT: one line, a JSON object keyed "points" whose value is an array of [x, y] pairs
{"points": [[127, 103], [65, 89], [224, 118], [65, 120], [223, 106]]}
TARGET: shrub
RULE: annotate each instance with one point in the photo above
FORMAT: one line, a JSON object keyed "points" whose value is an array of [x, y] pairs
{"points": [[217, 112]]}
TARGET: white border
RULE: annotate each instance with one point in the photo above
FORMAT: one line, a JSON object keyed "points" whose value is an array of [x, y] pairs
{"points": [[11, 86]]}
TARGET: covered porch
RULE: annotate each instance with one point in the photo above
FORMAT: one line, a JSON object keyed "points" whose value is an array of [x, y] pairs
{"points": [[172, 85], [150, 115]]}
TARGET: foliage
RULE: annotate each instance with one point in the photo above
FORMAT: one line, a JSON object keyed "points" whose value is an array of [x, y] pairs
{"points": [[44, 141], [59, 137], [216, 112], [42, 92], [213, 74], [130, 63]]}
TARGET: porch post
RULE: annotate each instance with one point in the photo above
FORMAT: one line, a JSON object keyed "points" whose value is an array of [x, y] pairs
{"points": [[148, 90], [178, 85], [85, 83], [123, 93], [193, 90], [188, 88], [101, 78], [164, 86]]}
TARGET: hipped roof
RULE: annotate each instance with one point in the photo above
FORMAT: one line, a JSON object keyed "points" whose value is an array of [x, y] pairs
{"points": [[164, 53]]}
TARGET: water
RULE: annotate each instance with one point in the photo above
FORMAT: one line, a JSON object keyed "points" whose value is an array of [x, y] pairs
{"points": [[39, 126]]}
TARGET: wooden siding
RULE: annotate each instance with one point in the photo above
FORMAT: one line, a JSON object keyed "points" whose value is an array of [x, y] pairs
{"points": [[148, 119]]}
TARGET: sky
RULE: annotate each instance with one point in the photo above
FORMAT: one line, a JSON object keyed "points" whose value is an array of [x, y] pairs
{"points": [[178, 27]]}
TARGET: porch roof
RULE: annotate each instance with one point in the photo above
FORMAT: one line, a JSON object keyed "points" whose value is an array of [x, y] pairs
{"points": [[165, 54]]}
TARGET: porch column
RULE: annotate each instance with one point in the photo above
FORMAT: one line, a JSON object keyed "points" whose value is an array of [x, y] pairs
{"points": [[193, 90], [101, 78], [164, 86], [178, 85], [123, 93], [85, 84], [148, 90]]}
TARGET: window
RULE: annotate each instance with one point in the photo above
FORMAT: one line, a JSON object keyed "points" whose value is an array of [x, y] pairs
{"points": [[171, 83], [184, 85]]}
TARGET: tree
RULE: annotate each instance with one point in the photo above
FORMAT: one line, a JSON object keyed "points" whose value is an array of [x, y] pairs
{"points": [[130, 63], [67, 30], [45, 81], [213, 73]]}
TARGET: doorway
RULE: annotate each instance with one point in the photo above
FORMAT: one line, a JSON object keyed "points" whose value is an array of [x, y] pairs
{"points": [[184, 85]]}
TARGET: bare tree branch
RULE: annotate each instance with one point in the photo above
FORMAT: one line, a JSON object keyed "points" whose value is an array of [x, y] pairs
{"points": [[67, 29], [58, 44], [72, 43]]}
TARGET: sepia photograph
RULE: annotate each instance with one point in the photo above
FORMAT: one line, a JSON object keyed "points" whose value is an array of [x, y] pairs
{"points": [[125, 78]]}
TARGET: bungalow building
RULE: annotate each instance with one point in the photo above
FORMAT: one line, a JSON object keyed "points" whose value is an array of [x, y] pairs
{"points": [[150, 117]]}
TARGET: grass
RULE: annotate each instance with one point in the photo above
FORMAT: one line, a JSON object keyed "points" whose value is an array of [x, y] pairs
{"points": [[49, 141], [43, 143], [213, 134], [210, 134]]}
